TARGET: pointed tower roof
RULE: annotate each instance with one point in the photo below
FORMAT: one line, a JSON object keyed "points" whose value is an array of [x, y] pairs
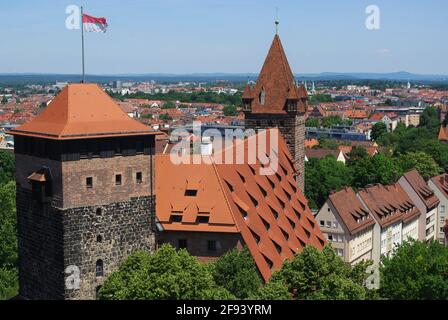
{"points": [[276, 82], [247, 94], [82, 111]]}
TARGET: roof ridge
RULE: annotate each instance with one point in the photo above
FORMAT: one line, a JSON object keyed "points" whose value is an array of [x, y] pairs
{"points": [[68, 111]]}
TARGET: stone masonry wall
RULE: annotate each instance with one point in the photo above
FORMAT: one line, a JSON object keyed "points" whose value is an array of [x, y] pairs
{"points": [[110, 234], [40, 248]]}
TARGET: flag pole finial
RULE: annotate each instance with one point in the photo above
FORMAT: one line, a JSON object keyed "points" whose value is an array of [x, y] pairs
{"points": [[277, 22]]}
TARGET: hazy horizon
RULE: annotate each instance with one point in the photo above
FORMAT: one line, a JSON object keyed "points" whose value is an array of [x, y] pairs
{"points": [[225, 36]]}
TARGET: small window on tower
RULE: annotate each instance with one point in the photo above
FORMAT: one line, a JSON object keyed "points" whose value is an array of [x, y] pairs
{"points": [[139, 177], [99, 268], [118, 180], [99, 238], [261, 96], [89, 182]]}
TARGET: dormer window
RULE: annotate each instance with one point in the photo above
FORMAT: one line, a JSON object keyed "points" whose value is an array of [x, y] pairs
{"points": [[41, 185], [261, 97]]}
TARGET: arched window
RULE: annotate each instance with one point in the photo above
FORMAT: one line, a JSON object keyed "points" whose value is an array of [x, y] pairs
{"points": [[99, 211], [99, 238], [99, 268], [261, 96]]}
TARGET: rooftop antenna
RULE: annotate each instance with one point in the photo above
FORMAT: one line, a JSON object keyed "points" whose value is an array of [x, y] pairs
{"points": [[277, 22]]}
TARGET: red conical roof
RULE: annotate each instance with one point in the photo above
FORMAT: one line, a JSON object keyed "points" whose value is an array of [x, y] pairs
{"points": [[82, 111], [247, 94], [276, 81]]}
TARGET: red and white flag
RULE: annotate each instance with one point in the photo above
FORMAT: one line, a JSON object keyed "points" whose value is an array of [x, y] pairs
{"points": [[92, 24]]}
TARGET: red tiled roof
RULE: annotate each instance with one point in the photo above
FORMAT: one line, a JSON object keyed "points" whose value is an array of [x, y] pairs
{"points": [[278, 83], [421, 188], [82, 111], [270, 212], [442, 183], [351, 210], [377, 117], [389, 204], [320, 153]]}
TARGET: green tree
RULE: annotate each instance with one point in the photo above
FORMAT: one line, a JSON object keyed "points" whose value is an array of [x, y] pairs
{"points": [[377, 169], [330, 121], [323, 176], [312, 123], [378, 130], [8, 243], [7, 167], [236, 271], [9, 283], [356, 154], [325, 143], [319, 98], [322, 275], [430, 120], [272, 290], [421, 161], [416, 270], [229, 110], [165, 274], [169, 105], [165, 117]]}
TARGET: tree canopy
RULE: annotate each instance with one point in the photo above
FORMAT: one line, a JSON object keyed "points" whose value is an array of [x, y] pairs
{"points": [[416, 270], [322, 275], [236, 271], [378, 130], [8, 243], [323, 176], [166, 274]]}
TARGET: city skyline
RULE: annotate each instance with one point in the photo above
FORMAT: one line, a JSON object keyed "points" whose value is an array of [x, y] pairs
{"points": [[182, 37]]}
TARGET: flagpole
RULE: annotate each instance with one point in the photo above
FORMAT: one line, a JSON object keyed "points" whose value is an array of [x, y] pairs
{"points": [[82, 40]]}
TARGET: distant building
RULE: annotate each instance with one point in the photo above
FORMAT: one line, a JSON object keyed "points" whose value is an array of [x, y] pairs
{"points": [[320, 153], [347, 133]]}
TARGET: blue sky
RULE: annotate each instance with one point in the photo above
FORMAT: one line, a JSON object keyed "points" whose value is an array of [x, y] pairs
{"points": [[187, 36]]}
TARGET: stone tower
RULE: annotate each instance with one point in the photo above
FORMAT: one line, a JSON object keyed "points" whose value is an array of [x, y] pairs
{"points": [[84, 173], [277, 101]]}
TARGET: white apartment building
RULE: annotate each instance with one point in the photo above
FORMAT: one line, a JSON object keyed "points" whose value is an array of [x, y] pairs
{"points": [[439, 185], [425, 200]]}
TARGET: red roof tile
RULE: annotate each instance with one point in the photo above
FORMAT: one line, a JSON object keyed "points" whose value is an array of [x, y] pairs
{"points": [[82, 111], [270, 212], [277, 82], [421, 188], [351, 210]]}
